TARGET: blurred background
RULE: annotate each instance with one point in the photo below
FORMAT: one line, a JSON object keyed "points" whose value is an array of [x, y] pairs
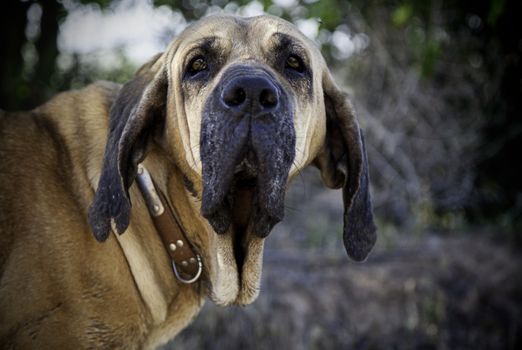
{"points": [[438, 89]]}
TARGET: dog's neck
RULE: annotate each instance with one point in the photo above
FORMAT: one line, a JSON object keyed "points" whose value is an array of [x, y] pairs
{"points": [[169, 180], [186, 264]]}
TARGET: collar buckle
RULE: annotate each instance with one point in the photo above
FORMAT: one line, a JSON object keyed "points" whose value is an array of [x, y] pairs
{"points": [[193, 279]]}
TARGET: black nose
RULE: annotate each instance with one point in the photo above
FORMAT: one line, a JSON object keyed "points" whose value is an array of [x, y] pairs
{"points": [[258, 94]]}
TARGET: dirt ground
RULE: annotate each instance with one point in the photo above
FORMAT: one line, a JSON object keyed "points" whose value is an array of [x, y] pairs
{"points": [[429, 292]]}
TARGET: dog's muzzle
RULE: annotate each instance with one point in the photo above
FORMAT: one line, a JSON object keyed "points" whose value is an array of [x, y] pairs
{"points": [[247, 142]]}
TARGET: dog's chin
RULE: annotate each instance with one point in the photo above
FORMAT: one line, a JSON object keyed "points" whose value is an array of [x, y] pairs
{"points": [[236, 281], [239, 241], [239, 249]]}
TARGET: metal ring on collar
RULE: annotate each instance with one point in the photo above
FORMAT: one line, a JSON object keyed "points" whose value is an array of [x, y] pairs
{"points": [[193, 279]]}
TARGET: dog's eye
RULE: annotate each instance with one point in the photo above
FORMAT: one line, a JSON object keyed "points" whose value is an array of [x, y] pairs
{"points": [[197, 65], [295, 63]]}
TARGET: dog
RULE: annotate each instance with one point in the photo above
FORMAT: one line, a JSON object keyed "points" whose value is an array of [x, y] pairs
{"points": [[191, 160]]}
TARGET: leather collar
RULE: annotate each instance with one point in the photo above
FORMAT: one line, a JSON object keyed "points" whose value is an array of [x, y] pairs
{"points": [[186, 264]]}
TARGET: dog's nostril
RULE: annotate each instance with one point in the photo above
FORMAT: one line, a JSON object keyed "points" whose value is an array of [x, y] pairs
{"points": [[268, 98], [234, 97]]}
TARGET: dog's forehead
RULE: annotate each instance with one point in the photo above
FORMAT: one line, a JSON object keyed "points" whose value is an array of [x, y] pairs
{"points": [[249, 32]]}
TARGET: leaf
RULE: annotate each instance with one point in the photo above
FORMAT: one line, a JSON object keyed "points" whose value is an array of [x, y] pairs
{"points": [[402, 15]]}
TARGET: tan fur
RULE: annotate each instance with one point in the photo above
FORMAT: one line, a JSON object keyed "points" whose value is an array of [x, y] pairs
{"points": [[59, 287]]}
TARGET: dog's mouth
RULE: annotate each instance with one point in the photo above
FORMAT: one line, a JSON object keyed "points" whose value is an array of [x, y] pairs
{"points": [[247, 168], [247, 146], [248, 190], [243, 217], [241, 199], [237, 206], [237, 280], [250, 203]]}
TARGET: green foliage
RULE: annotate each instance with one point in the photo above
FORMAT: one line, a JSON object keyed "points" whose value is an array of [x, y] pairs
{"points": [[402, 15], [328, 12], [415, 18]]}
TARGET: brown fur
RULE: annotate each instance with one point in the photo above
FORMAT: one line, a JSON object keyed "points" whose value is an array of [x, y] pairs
{"points": [[60, 287]]}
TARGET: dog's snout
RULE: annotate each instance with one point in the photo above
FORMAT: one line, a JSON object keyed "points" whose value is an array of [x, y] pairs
{"points": [[256, 93]]}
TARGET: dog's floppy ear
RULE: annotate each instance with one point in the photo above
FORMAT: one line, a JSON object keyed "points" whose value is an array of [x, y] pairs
{"points": [[139, 105], [343, 162]]}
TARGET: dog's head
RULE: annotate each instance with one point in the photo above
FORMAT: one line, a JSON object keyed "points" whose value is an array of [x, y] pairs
{"points": [[240, 106]]}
